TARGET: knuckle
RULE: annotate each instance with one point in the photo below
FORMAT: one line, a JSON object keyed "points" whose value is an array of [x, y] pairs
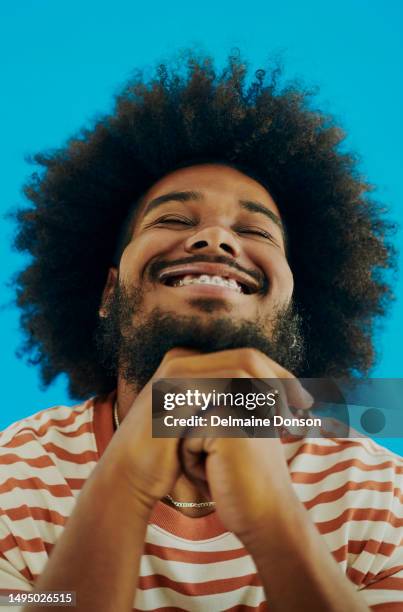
{"points": [[174, 362], [240, 373], [171, 354], [170, 369], [287, 374], [251, 359]]}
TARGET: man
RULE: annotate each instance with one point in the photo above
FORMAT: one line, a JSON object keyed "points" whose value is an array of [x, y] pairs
{"points": [[205, 229]]}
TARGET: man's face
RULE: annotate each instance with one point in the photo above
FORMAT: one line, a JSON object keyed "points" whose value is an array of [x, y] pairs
{"points": [[206, 269], [207, 240]]}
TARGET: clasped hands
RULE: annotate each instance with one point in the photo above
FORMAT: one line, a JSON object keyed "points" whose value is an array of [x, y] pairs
{"points": [[248, 478]]}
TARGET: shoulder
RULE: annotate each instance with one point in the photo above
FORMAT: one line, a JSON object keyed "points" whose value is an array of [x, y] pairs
{"points": [[351, 471], [353, 491], [44, 461], [339, 454], [45, 424], [50, 446], [55, 446]]}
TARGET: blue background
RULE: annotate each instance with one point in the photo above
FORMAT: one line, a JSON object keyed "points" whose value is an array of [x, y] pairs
{"points": [[62, 61]]}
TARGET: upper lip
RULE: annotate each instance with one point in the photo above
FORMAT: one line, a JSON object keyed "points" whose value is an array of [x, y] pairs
{"points": [[211, 269]]}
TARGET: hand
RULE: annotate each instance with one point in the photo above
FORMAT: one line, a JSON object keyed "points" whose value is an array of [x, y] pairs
{"points": [[151, 466], [248, 478], [148, 466]]}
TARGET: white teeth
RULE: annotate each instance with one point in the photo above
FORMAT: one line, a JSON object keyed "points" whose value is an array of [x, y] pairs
{"points": [[205, 279], [217, 280]]}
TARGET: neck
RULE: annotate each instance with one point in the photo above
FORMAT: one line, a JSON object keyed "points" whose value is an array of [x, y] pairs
{"points": [[183, 490]]}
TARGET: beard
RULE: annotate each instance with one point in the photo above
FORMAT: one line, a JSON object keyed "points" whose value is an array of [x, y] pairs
{"points": [[132, 343]]}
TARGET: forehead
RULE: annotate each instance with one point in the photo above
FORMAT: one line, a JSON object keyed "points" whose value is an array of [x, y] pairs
{"points": [[212, 180]]}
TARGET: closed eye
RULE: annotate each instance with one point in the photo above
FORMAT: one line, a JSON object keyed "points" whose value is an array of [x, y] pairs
{"points": [[168, 220], [256, 232]]}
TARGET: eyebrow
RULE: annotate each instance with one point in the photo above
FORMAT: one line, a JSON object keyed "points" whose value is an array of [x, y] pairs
{"points": [[257, 207], [176, 196], [186, 196]]}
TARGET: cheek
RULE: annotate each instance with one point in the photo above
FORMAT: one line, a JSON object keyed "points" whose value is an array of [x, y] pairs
{"points": [[140, 252], [280, 276], [134, 259]]}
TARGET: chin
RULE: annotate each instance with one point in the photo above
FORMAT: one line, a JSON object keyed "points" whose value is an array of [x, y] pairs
{"points": [[210, 305]]}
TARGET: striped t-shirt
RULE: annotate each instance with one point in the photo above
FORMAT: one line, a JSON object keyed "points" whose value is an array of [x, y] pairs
{"points": [[352, 490]]}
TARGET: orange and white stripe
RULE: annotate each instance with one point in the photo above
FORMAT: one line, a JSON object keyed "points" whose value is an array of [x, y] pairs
{"points": [[352, 489]]}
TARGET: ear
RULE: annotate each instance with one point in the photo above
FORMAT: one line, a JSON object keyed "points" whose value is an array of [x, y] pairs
{"points": [[108, 291]]}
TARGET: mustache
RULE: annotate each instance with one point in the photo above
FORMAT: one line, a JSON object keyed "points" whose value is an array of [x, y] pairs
{"points": [[158, 266]]}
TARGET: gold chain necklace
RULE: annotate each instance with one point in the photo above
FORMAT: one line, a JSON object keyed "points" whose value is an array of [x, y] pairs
{"points": [[177, 504]]}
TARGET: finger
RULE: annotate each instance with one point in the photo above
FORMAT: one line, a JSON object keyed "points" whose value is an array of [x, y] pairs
{"points": [[192, 459], [254, 364], [173, 356], [179, 351], [260, 365]]}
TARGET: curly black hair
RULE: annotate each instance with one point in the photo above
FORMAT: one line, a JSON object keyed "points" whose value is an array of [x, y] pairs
{"points": [[339, 248]]}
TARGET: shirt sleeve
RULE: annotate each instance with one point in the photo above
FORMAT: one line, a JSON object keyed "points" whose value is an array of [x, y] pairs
{"points": [[378, 569], [13, 571], [11, 582], [386, 594]]}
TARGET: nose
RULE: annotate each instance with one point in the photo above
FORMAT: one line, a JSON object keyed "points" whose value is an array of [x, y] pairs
{"points": [[213, 240]]}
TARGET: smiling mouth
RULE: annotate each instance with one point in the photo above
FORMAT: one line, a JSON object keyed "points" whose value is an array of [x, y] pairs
{"points": [[206, 279], [213, 276], [185, 280]]}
